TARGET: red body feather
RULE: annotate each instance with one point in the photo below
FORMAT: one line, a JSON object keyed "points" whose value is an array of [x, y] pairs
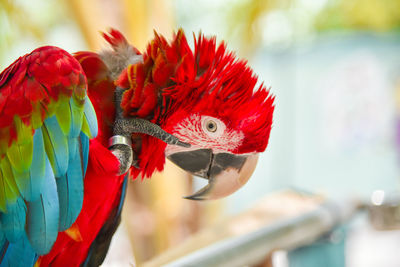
{"points": [[101, 92]]}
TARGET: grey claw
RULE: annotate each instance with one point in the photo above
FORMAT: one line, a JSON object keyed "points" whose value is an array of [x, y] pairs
{"points": [[183, 144], [126, 126], [173, 140], [135, 164]]}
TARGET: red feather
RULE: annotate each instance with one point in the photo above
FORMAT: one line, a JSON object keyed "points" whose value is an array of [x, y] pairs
{"points": [[32, 83], [116, 39], [101, 92]]}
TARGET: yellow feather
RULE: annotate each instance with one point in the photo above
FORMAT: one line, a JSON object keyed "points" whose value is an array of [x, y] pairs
{"points": [[63, 115], [20, 156], [36, 116], [2, 194], [10, 187], [20, 152], [85, 128]]}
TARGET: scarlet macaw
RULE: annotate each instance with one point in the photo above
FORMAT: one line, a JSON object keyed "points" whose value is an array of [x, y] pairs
{"points": [[73, 125]]}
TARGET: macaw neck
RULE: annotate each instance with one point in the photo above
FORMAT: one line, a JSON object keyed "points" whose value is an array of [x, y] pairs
{"points": [[150, 156]]}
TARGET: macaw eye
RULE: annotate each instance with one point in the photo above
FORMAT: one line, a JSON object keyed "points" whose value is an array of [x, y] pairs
{"points": [[211, 126]]}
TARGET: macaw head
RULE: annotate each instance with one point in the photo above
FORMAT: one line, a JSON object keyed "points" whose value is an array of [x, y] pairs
{"points": [[206, 98]]}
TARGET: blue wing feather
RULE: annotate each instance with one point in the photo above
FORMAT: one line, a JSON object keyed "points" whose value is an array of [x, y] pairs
{"points": [[18, 254], [70, 187], [76, 118], [56, 144], [13, 222], [84, 150], [43, 215], [123, 193], [37, 170], [3, 244], [91, 118], [31, 181]]}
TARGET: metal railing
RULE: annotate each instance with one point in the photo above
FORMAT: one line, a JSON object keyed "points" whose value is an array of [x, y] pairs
{"points": [[253, 247]]}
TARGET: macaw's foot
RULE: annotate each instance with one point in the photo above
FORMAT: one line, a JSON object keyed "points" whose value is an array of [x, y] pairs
{"points": [[121, 145]]}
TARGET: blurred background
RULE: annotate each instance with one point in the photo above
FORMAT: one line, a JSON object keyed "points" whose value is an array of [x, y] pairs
{"points": [[334, 66]]}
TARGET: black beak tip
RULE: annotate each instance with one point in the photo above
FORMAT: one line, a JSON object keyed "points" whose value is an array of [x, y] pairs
{"points": [[194, 198]]}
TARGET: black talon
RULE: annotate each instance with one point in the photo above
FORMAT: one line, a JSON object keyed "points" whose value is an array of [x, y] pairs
{"points": [[183, 144]]}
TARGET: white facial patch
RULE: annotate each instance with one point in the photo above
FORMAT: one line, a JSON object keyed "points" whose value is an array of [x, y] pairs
{"points": [[206, 132]]}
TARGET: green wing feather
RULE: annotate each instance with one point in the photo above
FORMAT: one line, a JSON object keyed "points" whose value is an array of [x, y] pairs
{"points": [[43, 110]]}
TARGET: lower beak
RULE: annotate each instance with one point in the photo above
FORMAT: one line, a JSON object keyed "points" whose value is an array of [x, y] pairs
{"points": [[225, 172]]}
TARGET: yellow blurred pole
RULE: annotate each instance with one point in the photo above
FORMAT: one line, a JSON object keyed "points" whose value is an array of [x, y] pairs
{"points": [[87, 15], [162, 17], [141, 17], [136, 21], [167, 189]]}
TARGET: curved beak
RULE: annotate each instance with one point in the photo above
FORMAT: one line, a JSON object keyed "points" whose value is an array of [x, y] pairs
{"points": [[225, 172]]}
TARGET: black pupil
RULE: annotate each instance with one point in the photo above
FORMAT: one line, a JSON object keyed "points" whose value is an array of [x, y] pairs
{"points": [[211, 126]]}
